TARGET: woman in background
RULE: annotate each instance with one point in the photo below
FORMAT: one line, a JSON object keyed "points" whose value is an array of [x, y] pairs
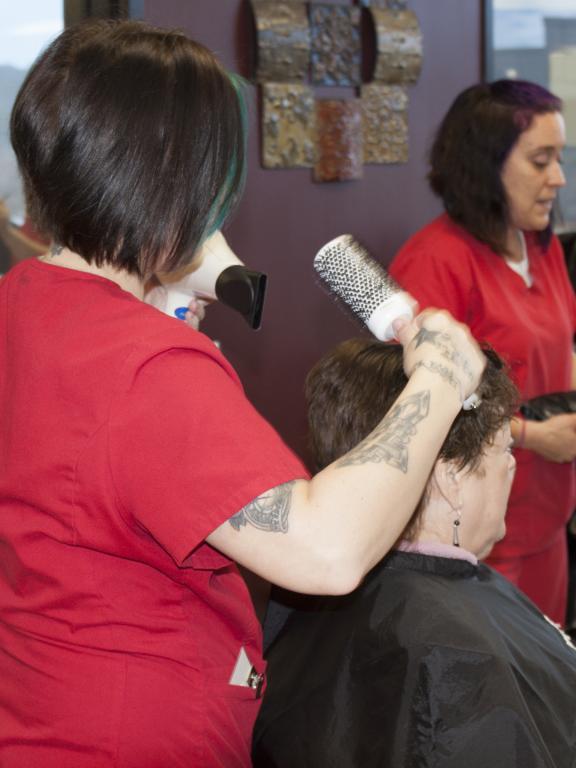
{"points": [[491, 260]]}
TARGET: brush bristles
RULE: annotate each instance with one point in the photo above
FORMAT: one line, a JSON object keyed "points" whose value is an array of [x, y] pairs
{"points": [[349, 272]]}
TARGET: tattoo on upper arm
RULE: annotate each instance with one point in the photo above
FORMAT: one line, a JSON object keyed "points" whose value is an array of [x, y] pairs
{"points": [[268, 512], [390, 441]]}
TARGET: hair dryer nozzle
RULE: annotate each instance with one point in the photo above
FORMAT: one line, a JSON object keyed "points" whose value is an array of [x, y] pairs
{"points": [[244, 290]]}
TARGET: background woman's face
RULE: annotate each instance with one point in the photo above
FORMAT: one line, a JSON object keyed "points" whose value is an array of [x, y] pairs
{"points": [[532, 173]]}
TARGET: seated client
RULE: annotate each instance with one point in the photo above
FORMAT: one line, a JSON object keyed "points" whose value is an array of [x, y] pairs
{"points": [[436, 659]]}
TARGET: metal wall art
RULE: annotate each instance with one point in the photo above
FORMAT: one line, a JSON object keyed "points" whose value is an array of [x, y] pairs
{"points": [[335, 31], [340, 141], [289, 119], [399, 46], [283, 41], [385, 122], [320, 42]]}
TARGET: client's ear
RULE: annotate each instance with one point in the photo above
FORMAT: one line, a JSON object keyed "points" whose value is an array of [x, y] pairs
{"points": [[446, 481]]}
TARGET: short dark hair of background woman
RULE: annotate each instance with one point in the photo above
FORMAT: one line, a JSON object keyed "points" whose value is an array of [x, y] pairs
{"points": [[471, 147], [129, 198]]}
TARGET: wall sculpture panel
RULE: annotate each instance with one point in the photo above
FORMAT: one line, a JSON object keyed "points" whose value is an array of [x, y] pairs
{"points": [[385, 122], [288, 129], [335, 48], [340, 140], [303, 45], [399, 46], [283, 33]]}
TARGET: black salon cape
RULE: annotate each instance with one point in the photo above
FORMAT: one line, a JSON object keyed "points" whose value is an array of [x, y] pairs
{"points": [[430, 662]]}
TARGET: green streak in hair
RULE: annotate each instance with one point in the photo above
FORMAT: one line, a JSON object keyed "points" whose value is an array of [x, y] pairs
{"points": [[226, 198]]}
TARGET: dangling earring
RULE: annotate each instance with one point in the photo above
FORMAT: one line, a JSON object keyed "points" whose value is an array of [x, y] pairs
{"points": [[455, 527]]}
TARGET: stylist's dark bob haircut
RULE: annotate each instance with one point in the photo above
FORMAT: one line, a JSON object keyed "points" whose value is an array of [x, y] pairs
{"points": [[131, 143], [469, 151]]}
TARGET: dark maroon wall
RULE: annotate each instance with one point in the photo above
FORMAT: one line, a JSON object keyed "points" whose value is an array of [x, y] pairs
{"points": [[285, 217]]}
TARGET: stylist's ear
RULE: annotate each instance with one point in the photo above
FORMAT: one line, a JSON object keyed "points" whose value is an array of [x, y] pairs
{"points": [[446, 481]]}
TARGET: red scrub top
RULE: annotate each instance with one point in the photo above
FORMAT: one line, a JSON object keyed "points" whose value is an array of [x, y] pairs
{"points": [[126, 439]]}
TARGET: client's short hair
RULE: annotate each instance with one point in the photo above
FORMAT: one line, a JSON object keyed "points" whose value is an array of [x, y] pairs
{"points": [[350, 390], [130, 141]]}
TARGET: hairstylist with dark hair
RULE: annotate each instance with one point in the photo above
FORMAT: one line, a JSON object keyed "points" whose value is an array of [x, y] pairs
{"points": [[134, 474], [493, 262], [435, 660]]}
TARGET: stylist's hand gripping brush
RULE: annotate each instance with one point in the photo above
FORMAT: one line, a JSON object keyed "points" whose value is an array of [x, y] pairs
{"points": [[354, 277]]}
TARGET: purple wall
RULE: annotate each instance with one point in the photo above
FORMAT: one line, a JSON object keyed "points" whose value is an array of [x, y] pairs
{"points": [[285, 217]]}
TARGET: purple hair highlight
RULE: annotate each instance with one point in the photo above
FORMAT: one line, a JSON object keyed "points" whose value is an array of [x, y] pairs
{"points": [[526, 99]]}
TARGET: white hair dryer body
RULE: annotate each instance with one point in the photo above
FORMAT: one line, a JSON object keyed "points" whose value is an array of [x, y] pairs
{"points": [[216, 274]]}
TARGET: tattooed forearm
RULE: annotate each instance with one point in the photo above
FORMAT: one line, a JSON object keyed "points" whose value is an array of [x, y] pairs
{"points": [[443, 343], [390, 441], [442, 371], [268, 512]]}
